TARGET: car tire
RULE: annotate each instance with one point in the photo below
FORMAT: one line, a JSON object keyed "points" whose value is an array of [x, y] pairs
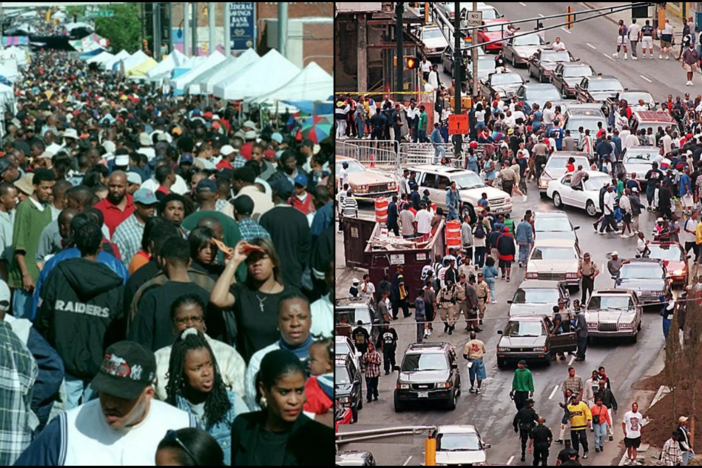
{"points": [[399, 407], [543, 195], [531, 74], [547, 362], [354, 414], [451, 403], [541, 77], [501, 363], [468, 210], [514, 61], [359, 405], [557, 201], [635, 338], [590, 340], [591, 209]]}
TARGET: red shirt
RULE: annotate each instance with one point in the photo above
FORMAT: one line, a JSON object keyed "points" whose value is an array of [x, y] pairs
{"points": [[113, 215], [224, 164], [306, 206], [245, 150], [317, 401]]}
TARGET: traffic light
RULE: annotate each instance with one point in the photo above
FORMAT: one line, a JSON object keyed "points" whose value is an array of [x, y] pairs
{"points": [[410, 63], [145, 45]]}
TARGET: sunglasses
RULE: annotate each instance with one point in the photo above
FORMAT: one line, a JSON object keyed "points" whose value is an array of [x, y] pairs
{"points": [[172, 436]]}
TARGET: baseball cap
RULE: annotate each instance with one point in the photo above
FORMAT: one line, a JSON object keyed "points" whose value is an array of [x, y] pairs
{"points": [[134, 178], [186, 159], [301, 179], [249, 124], [680, 419], [127, 369], [277, 137], [122, 160], [145, 196], [283, 187], [250, 135], [206, 186], [4, 165], [243, 204], [226, 150], [5, 297], [615, 253]]}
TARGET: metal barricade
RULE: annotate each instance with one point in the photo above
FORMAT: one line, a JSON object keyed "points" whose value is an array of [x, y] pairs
{"points": [[415, 154], [373, 154]]}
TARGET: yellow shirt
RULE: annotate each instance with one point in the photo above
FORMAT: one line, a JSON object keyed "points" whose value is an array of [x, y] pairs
{"points": [[579, 416], [698, 232]]}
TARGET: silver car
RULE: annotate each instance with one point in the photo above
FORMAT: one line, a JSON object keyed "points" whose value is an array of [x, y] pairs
{"points": [[638, 160], [613, 313], [518, 50], [537, 298]]}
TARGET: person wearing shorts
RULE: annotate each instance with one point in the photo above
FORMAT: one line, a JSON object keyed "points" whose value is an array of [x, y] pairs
{"points": [[621, 39], [631, 425], [474, 351], [666, 40], [647, 39]]}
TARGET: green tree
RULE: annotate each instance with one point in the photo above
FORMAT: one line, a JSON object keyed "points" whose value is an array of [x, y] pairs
{"points": [[123, 29]]}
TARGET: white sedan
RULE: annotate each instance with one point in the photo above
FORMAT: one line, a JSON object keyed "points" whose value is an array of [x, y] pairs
{"points": [[555, 167], [586, 197], [638, 160]]}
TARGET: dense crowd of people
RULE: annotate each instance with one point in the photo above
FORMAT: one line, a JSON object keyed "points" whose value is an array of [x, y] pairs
{"points": [[167, 272]]}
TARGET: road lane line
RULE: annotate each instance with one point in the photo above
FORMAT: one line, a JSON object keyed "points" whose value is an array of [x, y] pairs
{"points": [[542, 17], [591, 46], [571, 360], [509, 462], [646, 78], [553, 392], [522, 4], [407, 461], [566, 31], [609, 57]]}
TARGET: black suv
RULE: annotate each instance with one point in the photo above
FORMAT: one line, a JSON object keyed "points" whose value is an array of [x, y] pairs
{"points": [[429, 372], [347, 385]]}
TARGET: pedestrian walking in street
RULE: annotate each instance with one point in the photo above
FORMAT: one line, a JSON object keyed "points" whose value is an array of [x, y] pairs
{"points": [[388, 343], [605, 393], [480, 233], [621, 39], [666, 39], [472, 305], [690, 58], [600, 422], [420, 314], [524, 421], [438, 142], [667, 313], [429, 304], [580, 421], [489, 274], [647, 39], [631, 426], [573, 382], [522, 385], [634, 38], [505, 253], [371, 361], [540, 440], [525, 239], [671, 455], [581, 333], [565, 454], [474, 351], [687, 452], [447, 303], [483, 290], [400, 294], [590, 388], [587, 272]]}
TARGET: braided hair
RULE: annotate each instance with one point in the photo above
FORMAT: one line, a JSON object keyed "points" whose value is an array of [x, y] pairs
{"points": [[217, 404]]}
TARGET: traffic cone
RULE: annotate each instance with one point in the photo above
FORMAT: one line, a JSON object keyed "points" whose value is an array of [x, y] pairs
{"points": [[372, 161]]}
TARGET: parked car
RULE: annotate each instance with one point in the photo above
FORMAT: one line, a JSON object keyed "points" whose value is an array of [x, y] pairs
{"points": [[673, 257], [598, 88], [354, 458], [537, 93], [567, 75], [459, 445], [632, 98], [555, 167], [562, 194], [554, 260], [342, 415], [356, 309], [486, 67], [504, 84], [447, 60], [343, 346], [364, 182], [587, 118], [493, 30], [429, 372], [347, 385], [646, 277], [537, 298], [554, 225], [532, 339], [437, 179], [448, 8], [433, 41], [519, 49], [637, 160], [613, 313], [544, 61]]}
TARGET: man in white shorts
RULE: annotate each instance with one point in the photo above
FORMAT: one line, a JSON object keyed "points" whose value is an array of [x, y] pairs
{"points": [[621, 39], [647, 39]]}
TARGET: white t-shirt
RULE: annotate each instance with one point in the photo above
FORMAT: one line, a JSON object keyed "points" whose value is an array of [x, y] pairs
{"points": [[559, 46], [633, 424], [423, 219], [634, 30], [343, 176], [480, 116], [548, 115], [425, 67], [369, 289], [685, 236]]}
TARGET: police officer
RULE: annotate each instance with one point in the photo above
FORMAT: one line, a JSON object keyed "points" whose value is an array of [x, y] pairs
{"points": [[540, 439], [524, 421], [449, 306], [462, 298]]}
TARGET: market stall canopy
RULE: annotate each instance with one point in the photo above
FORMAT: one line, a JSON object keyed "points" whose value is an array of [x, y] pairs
{"points": [[15, 53], [180, 84], [101, 58], [94, 51], [8, 70], [173, 60], [7, 94], [195, 86], [123, 54], [311, 84], [266, 75], [130, 62], [223, 72], [141, 69]]}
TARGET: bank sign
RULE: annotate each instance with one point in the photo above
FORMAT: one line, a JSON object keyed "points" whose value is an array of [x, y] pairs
{"points": [[243, 25]]}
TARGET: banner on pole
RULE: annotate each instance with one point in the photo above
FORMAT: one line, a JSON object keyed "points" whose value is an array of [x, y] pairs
{"points": [[243, 25]]}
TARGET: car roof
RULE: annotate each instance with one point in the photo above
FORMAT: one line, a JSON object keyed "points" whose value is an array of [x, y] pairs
{"points": [[643, 260], [439, 169], [585, 113], [555, 242], [666, 244], [428, 346], [575, 64], [538, 284], [341, 339], [654, 116], [353, 302], [551, 214], [602, 77], [538, 85], [526, 318], [568, 154], [456, 428], [642, 148], [619, 292], [353, 454]]}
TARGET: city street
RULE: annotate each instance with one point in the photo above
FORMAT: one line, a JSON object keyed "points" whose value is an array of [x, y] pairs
{"points": [[492, 411]]}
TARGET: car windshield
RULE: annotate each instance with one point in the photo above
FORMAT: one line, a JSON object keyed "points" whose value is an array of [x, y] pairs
{"points": [[431, 33], [641, 271], [640, 157], [505, 78], [546, 224], [556, 163], [575, 123], [596, 183], [633, 98], [488, 13], [424, 362], [553, 253], [536, 296], [458, 442], [605, 85], [543, 94], [354, 314], [354, 167], [341, 348], [530, 328], [610, 302], [341, 376], [528, 40], [577, 72], [496, 27], [469, 180], [555, 56], [660, 252]]}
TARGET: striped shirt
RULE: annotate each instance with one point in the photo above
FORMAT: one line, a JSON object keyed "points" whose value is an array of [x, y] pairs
{"points": [[372, 360], [350, 207], [128, 236]]}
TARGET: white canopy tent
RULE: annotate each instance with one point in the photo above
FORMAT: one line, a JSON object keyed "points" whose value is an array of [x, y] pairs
{"points": [[8, 69], [101, 58], [180, 84], [264, 76], [132, 61], [239, 64], [311, 84], [195, 87], [123, 54], [173, 60]]}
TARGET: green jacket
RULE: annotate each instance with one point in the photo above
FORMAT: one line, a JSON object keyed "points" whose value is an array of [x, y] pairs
{"points": [[29, 223], [523, 381]]}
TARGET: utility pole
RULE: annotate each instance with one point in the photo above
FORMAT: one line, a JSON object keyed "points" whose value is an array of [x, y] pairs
{"points": [[156, 11], [283, 28], [211, 17], [227, 29], [474, 53], [457, 72], [399, 13], [170, 27], [186, 28], [195, 14]]}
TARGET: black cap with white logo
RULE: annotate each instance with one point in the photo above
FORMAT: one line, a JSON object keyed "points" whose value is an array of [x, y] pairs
{"points": [[127, 369]]}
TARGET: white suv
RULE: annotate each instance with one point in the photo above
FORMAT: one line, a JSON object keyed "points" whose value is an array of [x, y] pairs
{"points": [[437, 179]]}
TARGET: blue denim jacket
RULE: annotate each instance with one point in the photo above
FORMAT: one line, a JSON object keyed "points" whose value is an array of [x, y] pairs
{"points": [[222, 430]]}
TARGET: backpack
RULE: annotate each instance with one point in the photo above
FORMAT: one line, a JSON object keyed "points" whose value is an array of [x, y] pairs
{"points": [[479, 231]]}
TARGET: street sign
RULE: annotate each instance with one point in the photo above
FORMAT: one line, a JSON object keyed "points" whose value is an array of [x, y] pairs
{"points": [[100, 13], [243, 25], [458, 124], [474, 18]]}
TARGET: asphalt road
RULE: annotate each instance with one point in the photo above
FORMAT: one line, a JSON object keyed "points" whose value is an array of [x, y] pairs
{"points": [[492, 411]]}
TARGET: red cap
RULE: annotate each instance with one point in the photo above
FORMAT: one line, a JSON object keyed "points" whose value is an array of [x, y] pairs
{"points": [[474, 144]]}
